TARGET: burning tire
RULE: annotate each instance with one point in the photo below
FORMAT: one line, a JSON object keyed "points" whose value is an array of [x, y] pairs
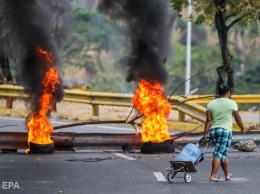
{"points": [[41, 148], [153, 148]]}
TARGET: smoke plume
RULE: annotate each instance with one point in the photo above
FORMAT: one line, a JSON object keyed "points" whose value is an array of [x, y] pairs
{"points": [[25, 25], [61, 16], [147, 24]]}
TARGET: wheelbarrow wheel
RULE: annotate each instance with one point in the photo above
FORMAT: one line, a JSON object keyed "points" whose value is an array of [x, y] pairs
{"points": [[187, 177], [170, 176]]}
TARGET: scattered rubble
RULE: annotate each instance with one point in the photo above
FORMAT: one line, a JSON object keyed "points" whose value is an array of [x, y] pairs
{"points": [[245, 146]]}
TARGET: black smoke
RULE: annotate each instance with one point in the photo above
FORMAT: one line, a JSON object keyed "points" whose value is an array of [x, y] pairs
{"points": [[25, 25], [147, 23], [61, 17]]}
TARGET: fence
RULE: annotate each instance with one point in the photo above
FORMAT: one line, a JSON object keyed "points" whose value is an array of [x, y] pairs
{"points": [[185, 106]]}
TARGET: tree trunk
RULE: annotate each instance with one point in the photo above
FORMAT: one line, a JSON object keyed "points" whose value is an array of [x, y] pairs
{"points": [[225, 69]]}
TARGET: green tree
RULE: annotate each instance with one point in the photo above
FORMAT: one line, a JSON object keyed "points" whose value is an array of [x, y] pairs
{"points": [[93, 47], [223, 14], [204, 57]]}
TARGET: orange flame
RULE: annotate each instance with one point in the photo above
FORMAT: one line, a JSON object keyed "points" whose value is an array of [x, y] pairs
{"points": [[39, 128], [150, 100]]}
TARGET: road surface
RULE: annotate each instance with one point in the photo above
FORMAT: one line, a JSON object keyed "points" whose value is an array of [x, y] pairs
{"points": [[114, 172]]}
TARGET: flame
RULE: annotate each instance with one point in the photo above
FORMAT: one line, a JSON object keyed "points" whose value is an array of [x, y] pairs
{"points": [[39, 128], [151, 101]]}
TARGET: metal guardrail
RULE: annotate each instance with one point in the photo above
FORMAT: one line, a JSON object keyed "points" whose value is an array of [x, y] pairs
{"points": [[240, 99], [119, 99], [87, 97], [185, 106]]}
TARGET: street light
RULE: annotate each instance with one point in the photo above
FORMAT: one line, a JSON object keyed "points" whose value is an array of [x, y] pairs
{"points": [[188, 50]]}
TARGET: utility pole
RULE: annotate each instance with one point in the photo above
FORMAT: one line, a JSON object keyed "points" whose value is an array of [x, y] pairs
{"points": [[188, 50]]}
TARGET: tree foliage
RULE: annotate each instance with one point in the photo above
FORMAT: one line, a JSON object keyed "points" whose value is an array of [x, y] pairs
{"points": [[244, 11], [203, 57], [223, 14], [92, 38]]}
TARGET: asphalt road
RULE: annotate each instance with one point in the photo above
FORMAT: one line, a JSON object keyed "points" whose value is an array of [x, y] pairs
{"points": [[11, 124], [114, 172]]}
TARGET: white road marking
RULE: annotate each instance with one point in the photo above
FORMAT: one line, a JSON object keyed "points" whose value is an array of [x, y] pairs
{"points": [[159, 176], [238, 180], [22, 119], [222, 180], [88, 151], [10, 118], [125, 156]]}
